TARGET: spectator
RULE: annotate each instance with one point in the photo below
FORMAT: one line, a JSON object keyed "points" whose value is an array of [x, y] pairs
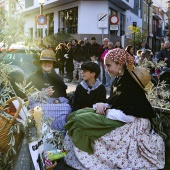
{"points": [[144, 46], [103, 47], [162, 46], [147, 54], [86, 48], [78, 58], [130, 50], [94, 47], [118, 45], [60, 52], [138, 56], [164, 54], [69, 63]]}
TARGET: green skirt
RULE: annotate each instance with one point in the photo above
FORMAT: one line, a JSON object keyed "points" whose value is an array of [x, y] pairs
{"points": [[85, 126]]}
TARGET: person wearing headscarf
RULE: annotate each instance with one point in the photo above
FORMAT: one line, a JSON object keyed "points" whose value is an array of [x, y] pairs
{"points": [[116, 134]]}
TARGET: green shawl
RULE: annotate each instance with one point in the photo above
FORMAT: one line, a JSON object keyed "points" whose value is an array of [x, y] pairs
{"points": [[85, 126]]}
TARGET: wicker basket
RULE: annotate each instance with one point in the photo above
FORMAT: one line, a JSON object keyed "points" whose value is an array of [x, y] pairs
{"points": [[52, 166], [6, 124]]}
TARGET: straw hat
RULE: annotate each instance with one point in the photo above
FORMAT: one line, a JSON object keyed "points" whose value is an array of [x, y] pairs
{"points": [[141, 76], [46, 55]]}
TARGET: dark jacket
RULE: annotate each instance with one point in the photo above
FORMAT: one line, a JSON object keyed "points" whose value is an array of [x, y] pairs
{"points": [[82, 99], [164, 54], [101, 50], [78, 53], [60, 56], [53, 79], [86, 48], [69, 61], [93, 49], [128, 96]]}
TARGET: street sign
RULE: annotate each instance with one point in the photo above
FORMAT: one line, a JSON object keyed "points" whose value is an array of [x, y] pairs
{"points": [[102, 20], [41, 20], [114, 27], [41, 26], [114, 19]]}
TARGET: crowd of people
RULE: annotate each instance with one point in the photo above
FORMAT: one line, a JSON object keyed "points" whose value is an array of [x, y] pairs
{"points": [[102, 133], [71, 55]]}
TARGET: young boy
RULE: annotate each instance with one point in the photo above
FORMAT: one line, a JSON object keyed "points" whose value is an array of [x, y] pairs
{"points": [[90, 90]]}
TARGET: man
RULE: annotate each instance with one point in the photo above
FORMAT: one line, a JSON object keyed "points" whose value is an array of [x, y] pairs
{"points": [[103, 47], [78, 58], [164, 54], [93, 48], [86, 48]]}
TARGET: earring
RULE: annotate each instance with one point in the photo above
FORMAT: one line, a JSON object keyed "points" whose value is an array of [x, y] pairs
{"points": [[120, 71]]}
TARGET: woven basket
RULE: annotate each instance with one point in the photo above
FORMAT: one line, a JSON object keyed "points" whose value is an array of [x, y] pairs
{"points": [[6, 124], [52, 166]]}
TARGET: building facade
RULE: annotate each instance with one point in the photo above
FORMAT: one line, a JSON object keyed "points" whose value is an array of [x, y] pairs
{"points": [[83, 18], [99, 18]]}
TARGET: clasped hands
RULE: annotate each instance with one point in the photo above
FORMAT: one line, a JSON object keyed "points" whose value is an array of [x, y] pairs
{"points": [[101, 108]]}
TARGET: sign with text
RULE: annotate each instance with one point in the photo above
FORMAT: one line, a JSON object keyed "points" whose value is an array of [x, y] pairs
{"points": [[102, 20], [37, 154], [114, 27]]}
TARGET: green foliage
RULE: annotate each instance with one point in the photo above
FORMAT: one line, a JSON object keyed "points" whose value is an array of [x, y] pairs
{"points": [[11, 25], [136, 35], [55, 39]]}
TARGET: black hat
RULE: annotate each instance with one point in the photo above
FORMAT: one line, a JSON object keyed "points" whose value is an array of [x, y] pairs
{"points": [[93, 38], [92, 67]]}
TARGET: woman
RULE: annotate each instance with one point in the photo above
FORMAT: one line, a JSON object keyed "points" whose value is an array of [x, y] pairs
{"points": [[130, 50], [60, 52], [116, 135], [69, 62], [118, 45]]}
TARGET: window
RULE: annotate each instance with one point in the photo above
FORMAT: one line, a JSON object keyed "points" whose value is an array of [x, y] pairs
{"points": [[31, 32], [139, 4], [68, 20], [50, 24], [29, 3], [122, 24]]}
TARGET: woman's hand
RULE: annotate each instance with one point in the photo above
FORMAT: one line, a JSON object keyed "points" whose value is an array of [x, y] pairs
{"points": [[100, 109], [49, 91]]}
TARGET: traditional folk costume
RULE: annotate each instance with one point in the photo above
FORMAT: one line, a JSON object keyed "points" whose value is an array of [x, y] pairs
{"points": [[121, 139]]}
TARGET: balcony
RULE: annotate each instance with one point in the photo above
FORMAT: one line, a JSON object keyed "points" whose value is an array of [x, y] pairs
{"points": [[122, 4]]}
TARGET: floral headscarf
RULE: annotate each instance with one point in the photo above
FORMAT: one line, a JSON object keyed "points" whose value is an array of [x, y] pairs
{"points": [[121, 56]]}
